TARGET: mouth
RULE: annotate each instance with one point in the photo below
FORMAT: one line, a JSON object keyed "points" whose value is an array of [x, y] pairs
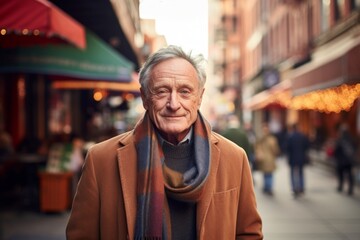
{"points": [[172, 117]]}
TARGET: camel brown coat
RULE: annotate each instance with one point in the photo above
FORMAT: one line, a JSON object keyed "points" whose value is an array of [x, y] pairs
{"points": [[104, 206]]}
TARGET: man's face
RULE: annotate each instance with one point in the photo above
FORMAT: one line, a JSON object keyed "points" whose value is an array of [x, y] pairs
{"points": [[173, 99]]}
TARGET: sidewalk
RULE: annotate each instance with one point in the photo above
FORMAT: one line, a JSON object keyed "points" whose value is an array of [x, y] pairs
{"points": [[320, 214], [32, 226]]}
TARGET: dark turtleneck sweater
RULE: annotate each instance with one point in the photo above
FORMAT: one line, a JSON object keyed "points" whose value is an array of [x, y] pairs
{"points": [[183, 214]]}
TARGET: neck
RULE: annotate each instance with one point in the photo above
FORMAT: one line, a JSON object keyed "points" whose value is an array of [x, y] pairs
{"points": [[174, 138]]}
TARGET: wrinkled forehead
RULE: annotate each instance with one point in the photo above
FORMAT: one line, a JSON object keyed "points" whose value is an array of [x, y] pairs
{"points": [[174, 69]]}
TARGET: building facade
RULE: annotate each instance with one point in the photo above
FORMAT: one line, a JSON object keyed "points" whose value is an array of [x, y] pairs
{"points": [[297, 63]]}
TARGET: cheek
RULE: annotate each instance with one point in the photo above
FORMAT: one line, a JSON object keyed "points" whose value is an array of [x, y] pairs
{"points": [[156, 105], [193, 104]]}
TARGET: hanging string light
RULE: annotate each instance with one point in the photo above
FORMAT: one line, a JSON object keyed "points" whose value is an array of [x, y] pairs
{"points": [[329, 100], [25, 31], [335, 99]]}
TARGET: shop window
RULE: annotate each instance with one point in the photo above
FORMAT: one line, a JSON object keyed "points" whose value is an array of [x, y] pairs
{"points": [[235, 53], [325, 15], [355, 4], [60, 114], [339, 9], [234, 24], [235, 77]]}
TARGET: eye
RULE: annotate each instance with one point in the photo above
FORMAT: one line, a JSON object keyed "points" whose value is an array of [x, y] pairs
{"points": [[161, 92], [185, 91]]}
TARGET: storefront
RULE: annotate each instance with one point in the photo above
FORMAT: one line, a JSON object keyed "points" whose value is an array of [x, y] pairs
{"points": [[329, 83], [53, 82], [37, 105]]}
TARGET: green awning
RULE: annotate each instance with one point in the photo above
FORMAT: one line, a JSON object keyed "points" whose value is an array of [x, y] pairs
{"points": [[98, 61]]}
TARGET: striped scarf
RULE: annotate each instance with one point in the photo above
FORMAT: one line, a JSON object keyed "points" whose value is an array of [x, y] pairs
{"points": [[156, 181]]}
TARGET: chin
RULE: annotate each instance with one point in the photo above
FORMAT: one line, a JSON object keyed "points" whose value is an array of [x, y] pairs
{"points": [[174, 131]]}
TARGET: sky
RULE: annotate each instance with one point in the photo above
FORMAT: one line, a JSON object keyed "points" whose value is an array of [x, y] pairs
{"points": [[182, 22]]}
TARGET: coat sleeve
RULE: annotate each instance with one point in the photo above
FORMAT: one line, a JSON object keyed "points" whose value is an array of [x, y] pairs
{"points": [[84, 218], [249, 223]]}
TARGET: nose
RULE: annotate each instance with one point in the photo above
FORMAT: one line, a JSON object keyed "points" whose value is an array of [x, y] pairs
{"points": [[174, 102]]}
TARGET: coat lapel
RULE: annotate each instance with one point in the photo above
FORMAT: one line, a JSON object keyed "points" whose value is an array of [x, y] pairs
{"points": [[204, 204], [128, 170]]}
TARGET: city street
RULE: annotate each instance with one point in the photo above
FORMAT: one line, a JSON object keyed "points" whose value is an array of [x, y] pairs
{"points": [[320, 214]]}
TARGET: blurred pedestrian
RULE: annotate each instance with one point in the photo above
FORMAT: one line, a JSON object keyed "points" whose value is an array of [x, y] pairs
{"points": [[6, 146], [297, 146], [266, 152], [344, 153], [171, 177], [236, 134], [252, 140]]}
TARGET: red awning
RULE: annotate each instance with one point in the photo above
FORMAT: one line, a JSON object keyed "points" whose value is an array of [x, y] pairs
{"points": [[29, 22]]}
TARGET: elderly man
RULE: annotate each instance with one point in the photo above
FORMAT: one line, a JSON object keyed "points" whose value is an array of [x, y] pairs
{"points": [[171, 177]]}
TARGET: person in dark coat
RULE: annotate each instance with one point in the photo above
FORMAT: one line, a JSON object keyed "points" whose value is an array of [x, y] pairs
{"points": [[344, 153], [297, 148]]}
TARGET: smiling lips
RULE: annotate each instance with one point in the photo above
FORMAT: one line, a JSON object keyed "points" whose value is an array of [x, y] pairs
{"points": [[172, 117]]}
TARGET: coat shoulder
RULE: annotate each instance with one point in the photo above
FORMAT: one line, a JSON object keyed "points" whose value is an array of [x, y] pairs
{"points": [[110, 146], [225, 144], [229, 150]]}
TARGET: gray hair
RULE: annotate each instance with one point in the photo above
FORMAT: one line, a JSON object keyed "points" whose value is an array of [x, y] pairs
{"points": [[168, 53]]}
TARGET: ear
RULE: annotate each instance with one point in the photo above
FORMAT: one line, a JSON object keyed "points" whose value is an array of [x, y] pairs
{"points": [[201, 96], [144, 98]]}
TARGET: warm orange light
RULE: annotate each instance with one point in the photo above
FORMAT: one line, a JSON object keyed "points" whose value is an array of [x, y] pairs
{"points": [[98, 95], [3, 32], [21, 87], [25, 31], [328, 100], [129, 97], [335, 99]]}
